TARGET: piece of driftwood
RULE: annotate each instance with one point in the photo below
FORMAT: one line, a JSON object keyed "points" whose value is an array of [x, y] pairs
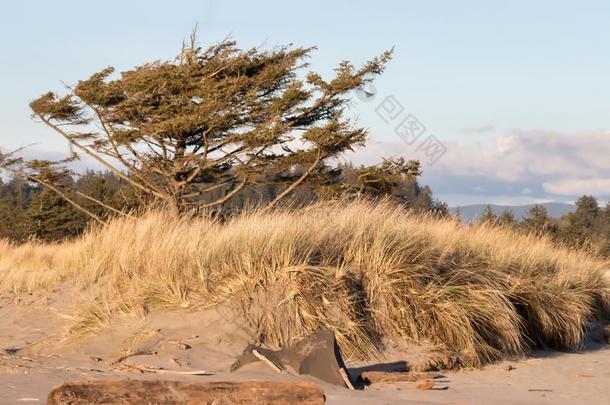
{"points": [[136, 353], [129, 392], [145, 369], [317, 355], [375, 377]]}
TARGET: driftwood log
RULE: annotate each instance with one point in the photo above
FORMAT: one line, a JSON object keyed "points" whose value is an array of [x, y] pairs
{"points": [[127, 392], [317, 355]]}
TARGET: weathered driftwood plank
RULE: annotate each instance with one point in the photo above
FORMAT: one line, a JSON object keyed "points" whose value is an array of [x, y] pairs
{"points": [[177, 392], [317, 355]]}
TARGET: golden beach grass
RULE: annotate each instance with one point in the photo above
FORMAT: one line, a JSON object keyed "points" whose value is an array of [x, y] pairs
{"points": [[368, 271]]}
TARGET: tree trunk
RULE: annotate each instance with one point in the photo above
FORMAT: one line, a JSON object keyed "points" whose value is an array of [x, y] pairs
{"points": [[128, 392]]}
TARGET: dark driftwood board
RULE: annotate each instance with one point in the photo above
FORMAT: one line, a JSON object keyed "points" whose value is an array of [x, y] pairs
{"points": [[176, 392]]}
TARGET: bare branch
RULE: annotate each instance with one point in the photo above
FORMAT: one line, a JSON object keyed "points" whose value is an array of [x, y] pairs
{"points": [[296, 183], [100, 160], [228, 196], [108, 207]]}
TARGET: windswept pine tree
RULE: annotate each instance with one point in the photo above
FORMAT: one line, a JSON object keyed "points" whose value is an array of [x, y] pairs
{"points": [[194, 131]]}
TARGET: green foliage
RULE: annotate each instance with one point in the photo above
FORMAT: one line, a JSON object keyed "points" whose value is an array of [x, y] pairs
{"points": [[582, 224], [507, 218], [50, 218], [587, 228], [539, 222], [105, 188], [488, 216], [29, 210], [15, 196]]}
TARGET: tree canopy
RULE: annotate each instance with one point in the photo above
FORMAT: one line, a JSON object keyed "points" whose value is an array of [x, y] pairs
{"points": [[194, 131]]}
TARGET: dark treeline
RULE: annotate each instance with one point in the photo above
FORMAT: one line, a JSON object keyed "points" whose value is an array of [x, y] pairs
{"points": [[31, 211], [587, 227]]}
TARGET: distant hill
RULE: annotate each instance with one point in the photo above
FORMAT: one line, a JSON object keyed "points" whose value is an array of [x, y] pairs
{"points": [[473, 212]]}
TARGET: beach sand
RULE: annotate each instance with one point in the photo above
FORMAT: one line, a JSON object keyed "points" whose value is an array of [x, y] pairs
{"points": [[34, 358]]}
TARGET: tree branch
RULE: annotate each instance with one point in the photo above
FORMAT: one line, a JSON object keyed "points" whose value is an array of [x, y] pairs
{"points": [[228, 196], [102, 161], [296, 183], [108, 207]]}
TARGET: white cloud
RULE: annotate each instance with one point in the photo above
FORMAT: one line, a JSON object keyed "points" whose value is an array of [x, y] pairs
{"points": [[597, 186], [528, 155], [539, 164]]}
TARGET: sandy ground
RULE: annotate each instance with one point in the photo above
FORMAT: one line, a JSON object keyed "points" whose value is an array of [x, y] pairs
{"points": [[34, 358]]}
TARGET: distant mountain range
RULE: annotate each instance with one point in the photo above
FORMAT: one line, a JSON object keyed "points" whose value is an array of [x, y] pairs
{"points": [[471, 213]]}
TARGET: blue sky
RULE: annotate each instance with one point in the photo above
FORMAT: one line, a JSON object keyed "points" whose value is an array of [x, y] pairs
{"points": [[518, 93]]}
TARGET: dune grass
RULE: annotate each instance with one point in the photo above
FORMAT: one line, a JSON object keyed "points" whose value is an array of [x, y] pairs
{"points": [[369, 272]]}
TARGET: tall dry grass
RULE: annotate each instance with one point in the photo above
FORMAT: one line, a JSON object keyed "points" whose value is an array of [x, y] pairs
{"points": [[369, 272]]}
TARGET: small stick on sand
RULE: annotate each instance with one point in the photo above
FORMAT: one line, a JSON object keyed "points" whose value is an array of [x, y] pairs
{"points": [[143, 369], [267, 361], [137, 353]]}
